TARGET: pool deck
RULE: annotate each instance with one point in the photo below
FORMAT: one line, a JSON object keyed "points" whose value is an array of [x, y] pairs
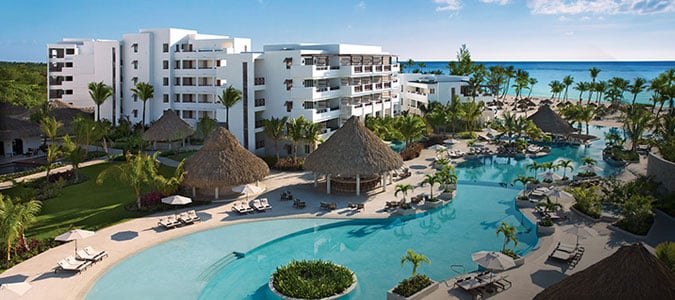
{"points": [[128, 238]]}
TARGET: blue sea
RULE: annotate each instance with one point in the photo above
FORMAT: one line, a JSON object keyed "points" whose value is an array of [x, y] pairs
{"points": [[546, 72]]}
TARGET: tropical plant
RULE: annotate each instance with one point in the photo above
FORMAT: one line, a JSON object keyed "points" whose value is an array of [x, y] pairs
{"points": [[74, 154], [404, 189], [415, 259], [567, 81], [229, 98], [565, 164], [144, 91], [431, 180], [522, 81], [166, 185], [99, 92], [594, 74], [410, 286], [312, 279], [524, 180], [15, 217], [464, 66], [455, 113], [586, 113], [204, 126], [509, 233], [532, 81], [472, 112], [509, 72], [49, 127], [310, 134], [137, 171], [411, 127], [275, 128], [587, 200], [638, 86], [548, 205], [636, 122], [665, 252], [447, 176], [582, 87]]}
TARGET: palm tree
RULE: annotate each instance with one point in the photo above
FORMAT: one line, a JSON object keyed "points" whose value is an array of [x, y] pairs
{"points": [[137, 171], [472, 112], [522, 81], [586, 114], [310, 134], [582, 87], [509, 233], [415, 259], [74, 154], [567, 81], [15, 217], [447, 176], [638, 86], [275, 128], [509, 72], [404, 189], [144, 91], [411, 127], [99, 92], [588, 161], [548, 205], [524, 180], [565, 164], [532, 81], [534, 166], [594, 74], [636, 122], [167, 185], [454, 113], [50, 126], [295, 133], [617, 86], [229, 98], [556, 88], [600, 88], [431, 180]]}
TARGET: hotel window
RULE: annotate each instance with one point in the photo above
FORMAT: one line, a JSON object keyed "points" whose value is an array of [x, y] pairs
{"points": [[135, 97], [135, 113], [432, 91], [176, 98], [134, 80], [188, 114], [177, 66], [306, 148], [69, 78], [69, 65], [70, 51], [135, 46], [135, 63], [69, 92], [165, 47], [289, 106], [177, 81], [165, 64], [165, 81], [165, 98]]}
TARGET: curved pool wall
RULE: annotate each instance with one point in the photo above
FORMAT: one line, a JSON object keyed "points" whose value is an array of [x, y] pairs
{"points": [[202, 265], [506, 169]]}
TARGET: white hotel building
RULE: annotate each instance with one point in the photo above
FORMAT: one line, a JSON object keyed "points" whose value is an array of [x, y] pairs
{"points": [[421, 89], [325, 83]]}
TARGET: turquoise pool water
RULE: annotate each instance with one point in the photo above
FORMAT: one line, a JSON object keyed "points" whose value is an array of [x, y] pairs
{"points": [[202, 266]]}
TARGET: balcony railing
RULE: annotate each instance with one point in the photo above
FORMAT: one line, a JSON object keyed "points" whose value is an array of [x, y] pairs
{"points": [[259, 81], [260, 144], [259, 102], [259, 123]]}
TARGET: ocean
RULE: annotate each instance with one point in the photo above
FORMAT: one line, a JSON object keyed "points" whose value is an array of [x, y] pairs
{"points": [[545, 72]]}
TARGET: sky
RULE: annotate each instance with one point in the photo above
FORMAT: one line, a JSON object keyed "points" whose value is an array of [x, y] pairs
{"points": [[424, 30]]}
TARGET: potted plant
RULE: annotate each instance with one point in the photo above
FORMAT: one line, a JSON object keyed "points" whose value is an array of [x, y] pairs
{"points": [[448, 179], [416, 286], [405, 208], [312, 279], [545, 227], [509, 233]]}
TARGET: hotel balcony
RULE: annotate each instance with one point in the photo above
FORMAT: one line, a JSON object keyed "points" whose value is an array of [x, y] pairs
{"points": [[417, 96], [316, 71], [316, 93], [322, 114], [259, 83]]}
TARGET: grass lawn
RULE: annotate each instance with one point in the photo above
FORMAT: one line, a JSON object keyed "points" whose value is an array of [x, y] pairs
{"points": [[86, 205], [181, 155]]}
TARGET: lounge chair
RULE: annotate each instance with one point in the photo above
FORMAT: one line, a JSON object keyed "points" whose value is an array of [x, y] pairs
{"points": [[286, 195], [356, 206], [265, 203], [166, 223], [297, 203], [185, 218], [567, 256], [258, 206], [194, 216], [242, 208], [83, 255], [64, 265], [93, 252], [328, 206]]}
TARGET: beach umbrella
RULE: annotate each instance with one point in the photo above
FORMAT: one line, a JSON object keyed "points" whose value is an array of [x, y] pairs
{"points": [[11, 289], [558, 193], [549, 175], [450, 141], [74, 235], [247, 189], [591, 168], [493, 260], [438, 148], [176, 200], [580, 230]]}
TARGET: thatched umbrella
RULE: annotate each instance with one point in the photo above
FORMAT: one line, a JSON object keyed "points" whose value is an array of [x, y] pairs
{"points": [[222, 162], [352, 151], [630, 273], [168, 128], [11, 128], [549, 121]]}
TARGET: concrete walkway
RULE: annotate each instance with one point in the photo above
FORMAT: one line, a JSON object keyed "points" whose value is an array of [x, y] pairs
{"points": [[126, 239]]}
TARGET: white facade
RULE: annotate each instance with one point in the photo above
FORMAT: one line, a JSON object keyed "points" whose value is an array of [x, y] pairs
{"points": [[74, 63], [325, 83], [421, 89]]}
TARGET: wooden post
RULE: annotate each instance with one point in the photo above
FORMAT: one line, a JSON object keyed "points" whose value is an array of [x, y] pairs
{"points": [[358, 184], [216, 196], [384, 182], [328, 184], [194, 191]]}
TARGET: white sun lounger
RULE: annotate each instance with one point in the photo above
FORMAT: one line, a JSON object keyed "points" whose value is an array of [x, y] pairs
{"points": [[265, 203], [258, 206], [93, 252]]}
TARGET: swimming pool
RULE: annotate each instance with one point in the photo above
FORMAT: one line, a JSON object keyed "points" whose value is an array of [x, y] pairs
{"points": [[203, 266]]}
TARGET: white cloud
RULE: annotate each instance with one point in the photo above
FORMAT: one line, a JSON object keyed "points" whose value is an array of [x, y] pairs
{"points": [[563, 19], [448, 5], [361, 5], [610, 7], [569, 33], [585, 18], [500, 2]]}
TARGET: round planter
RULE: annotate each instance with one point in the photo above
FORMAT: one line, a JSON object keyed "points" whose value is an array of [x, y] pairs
{"points": [[434, 204], [344, 294], [406, 211], [417, 296], [545, 230], [447, 195]]}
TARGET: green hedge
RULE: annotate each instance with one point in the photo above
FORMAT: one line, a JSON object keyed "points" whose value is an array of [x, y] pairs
{"points": [[412, 285], [312, 279]]}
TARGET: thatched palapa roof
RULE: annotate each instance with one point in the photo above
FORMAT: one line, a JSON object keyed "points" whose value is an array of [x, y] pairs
{"points": [[168, 128], [11, 128], [630, 273], [223, 162], [353, 150], [549, 121]]}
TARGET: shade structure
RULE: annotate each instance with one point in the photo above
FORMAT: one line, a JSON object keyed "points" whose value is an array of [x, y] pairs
{"points": [[353, 151], [493, 260], [630, 273], [176, 200], [549, 121], [591, 168], [581, 231], [247, 189], [8, 290], [74, 235], [223, 162], [438, 148], [451, 141], [168, 128], [557, 193], [549, 176]]}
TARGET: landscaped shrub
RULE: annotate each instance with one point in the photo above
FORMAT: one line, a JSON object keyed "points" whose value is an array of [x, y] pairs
{"points": [[667, 204], [289, 164], [412, 285], [510, 253], [666, 253], [467, 135], [21, 252], [271, 161], [151, 199], [312, 279], [411, 151], [637, 214], [587, 201], [67, 176]]}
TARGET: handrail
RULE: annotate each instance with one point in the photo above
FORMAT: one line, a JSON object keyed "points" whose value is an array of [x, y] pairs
{"points": [[452, 268]]}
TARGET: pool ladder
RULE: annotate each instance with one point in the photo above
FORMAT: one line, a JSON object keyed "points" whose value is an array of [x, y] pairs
{"points": [[455, 268], [220, 264]]}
